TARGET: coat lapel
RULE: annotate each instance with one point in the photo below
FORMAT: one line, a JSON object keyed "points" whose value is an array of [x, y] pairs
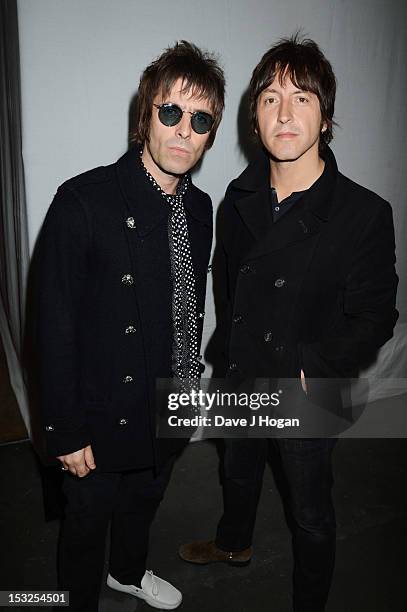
{"points": [[297, 225], [255, 212], [196, 204], [144, 204]]}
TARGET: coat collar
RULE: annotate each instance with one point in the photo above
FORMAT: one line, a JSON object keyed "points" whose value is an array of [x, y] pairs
{"points": [[314, 207], [143, 201]]}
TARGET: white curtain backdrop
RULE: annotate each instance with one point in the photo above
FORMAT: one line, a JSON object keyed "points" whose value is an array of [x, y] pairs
{"points": [[81, 61], [14, 248]]}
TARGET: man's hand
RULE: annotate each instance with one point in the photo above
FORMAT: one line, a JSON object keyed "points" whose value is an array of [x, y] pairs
{"points": [[79, 463], [303, 383]]}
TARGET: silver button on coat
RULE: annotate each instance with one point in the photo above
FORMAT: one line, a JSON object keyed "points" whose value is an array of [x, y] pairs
{"points": [[130, 329], [127, 279], [128, 379], [130, 222]]}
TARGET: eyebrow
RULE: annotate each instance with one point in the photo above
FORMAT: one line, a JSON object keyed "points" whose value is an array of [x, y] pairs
{"points": [[297, 91], [198, 110]]}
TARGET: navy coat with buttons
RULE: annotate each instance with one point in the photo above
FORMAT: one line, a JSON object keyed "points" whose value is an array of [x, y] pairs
{"points": [[313, 291], [104, 325]]}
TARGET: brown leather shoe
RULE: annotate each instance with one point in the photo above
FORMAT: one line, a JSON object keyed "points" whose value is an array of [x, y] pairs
{"points": [[203, 552]]}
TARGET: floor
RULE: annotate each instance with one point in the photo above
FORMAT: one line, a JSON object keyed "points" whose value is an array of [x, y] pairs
{"points": [[371, 503]]}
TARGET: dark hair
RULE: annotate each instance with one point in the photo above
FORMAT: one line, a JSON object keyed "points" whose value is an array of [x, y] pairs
{"points": [[200, 73], [307, 67]]}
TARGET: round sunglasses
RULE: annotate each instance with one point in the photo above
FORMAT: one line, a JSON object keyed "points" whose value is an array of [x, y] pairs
{"points": [[171, 114]]}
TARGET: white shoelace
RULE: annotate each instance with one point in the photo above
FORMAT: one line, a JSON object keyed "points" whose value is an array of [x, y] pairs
{"points": [[154, 585]]}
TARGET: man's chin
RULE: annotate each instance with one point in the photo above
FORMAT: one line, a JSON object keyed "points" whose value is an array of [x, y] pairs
{"points": [[287, 158], [175, 168], [284, 156]]}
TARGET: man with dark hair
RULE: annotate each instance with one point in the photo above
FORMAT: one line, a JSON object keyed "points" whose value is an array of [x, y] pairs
{"points": [[123, 259], [307, 258]]}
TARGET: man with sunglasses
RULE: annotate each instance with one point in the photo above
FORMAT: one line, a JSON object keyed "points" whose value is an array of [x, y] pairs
{"points": [[306, 270], [123, 258]]}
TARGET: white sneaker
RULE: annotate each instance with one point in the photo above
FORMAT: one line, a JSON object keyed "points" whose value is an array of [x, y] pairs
{"points": [[155, 591]]}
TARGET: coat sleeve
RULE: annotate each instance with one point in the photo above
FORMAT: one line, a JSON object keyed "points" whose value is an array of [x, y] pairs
{"points": [[62, 272], [368, 312]]}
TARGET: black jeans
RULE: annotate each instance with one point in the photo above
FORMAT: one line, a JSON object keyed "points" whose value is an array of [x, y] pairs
{"points": [[307, 476], [130, 500]]}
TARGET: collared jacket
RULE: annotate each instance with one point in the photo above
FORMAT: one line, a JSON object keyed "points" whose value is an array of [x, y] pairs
{"points": [[314, 291], [104, 311]]}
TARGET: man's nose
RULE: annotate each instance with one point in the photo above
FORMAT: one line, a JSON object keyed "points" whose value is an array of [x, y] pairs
{"points": [[183, 128], [284, 111]]}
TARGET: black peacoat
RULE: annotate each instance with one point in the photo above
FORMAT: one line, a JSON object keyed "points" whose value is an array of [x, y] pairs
{"points": [[314, 291], [104, 323]]}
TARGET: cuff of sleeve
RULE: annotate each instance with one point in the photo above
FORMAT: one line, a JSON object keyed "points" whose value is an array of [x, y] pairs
{"points": [[62, 441], [313, 364]]}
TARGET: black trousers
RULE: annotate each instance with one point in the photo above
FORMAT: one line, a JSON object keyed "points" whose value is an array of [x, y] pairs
{"points": [[129, 500], [306, 471]]}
